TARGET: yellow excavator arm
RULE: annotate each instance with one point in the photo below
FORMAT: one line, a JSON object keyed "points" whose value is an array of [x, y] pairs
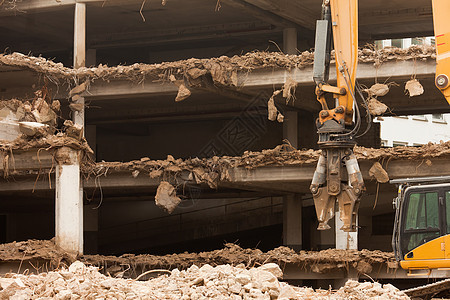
{"points": [[336, 139], [441, 11], [335, 126]]}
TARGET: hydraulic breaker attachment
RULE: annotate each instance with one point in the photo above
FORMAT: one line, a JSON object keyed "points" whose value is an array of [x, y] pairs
{"points": [[330, 184], [328, 187]]}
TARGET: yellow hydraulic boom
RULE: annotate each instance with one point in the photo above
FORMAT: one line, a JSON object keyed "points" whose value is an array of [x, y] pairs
{"points": [[441, 10], [335, 139], [338, 127]]}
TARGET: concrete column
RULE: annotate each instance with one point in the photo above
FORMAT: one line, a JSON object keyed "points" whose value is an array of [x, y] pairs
{"points": [[290, 128], [345, 240], [69, 189], [79, 51], [292, 221], [69, 205], [290, 41]]}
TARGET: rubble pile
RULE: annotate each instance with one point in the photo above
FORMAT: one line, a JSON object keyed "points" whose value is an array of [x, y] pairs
{"points": [[79, 281], [223, 70], [130, 265], [213, 170]]}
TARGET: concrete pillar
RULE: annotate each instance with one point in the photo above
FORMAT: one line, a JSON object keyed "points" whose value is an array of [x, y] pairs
{"points": [[292, 221], [79, 36], [290, 128], [290, 41], [69, 189], [345, 240], [68, 204], [79, 50]]}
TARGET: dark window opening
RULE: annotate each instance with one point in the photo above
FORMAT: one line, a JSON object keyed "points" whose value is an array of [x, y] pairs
{"points": [[383, 224]]}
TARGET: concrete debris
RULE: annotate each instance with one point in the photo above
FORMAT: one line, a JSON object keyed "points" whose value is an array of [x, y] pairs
{"points": [[376, 107], [272, 110], [280, 118], [76, 106], [378, 90], [80, 281], [213, 170], [325, 260], [223, 70], [73, 130], [78, 89], [413, 88], [183, 93], [32, 129], [166, 197], [379, 173]]}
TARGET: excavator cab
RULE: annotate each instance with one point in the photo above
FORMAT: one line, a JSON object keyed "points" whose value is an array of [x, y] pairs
{"points": [[421, 237]]}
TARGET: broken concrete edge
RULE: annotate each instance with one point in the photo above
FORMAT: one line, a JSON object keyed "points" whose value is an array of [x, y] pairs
{"points": [[213, 170], [323, 261], [191, 72], [54, 145]]}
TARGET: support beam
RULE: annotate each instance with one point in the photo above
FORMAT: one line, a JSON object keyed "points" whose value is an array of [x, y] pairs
{"points": [[292, 221], [290, 41], [69, 205]]}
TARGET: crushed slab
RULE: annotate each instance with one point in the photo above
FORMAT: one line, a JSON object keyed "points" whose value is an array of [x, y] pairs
{"points": [[80, 281]]}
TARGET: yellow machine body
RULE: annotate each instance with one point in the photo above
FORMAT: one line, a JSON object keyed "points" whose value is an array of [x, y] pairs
{"points": [[434, 254]]}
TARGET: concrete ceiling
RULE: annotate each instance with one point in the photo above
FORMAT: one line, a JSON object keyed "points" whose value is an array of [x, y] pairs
{"points": [[45, 27]]}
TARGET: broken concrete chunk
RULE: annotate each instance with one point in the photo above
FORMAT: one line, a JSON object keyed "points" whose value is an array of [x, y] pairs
{"points": [[413, 88], [378, 90], [195, 73], [43, 113], [73, 130], [78, 89], [56, 105], [76, 106], [33, 128], [280, 118], [166, 197], [272, 268], [183, 93], [76, 98], [272, 110], [379, 173], [376, 107]]}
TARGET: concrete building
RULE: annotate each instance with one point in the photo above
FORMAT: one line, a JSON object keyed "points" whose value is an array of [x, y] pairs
{"points": [[135, 117], [414, 130]]}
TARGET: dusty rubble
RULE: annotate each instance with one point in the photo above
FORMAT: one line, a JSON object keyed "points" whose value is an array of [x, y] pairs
{"points": [[192, 72], [130, 265], [79, 281], [213, 170]]}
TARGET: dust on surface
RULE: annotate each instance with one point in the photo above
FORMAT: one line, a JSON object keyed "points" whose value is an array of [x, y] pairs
{"points": [[232, 254], [215, 169], [192, 72], [207, 282]]}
